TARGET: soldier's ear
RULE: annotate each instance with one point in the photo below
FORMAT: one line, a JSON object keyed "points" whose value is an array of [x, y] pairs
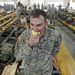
{"points": [[46, 23]]}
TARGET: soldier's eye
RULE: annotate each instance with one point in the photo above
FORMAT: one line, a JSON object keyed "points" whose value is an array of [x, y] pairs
{"points": [[38, 25], [31, 24]]}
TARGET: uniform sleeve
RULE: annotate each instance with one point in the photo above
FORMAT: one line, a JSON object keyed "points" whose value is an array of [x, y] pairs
{"points": [[22, 48], [57, 43]]}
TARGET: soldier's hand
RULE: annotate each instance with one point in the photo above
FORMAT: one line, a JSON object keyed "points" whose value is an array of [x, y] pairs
{"points": [[33, 40]]}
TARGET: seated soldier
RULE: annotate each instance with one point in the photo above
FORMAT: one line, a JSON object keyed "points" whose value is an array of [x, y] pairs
{"points": [[23, 21], [22, 25]]}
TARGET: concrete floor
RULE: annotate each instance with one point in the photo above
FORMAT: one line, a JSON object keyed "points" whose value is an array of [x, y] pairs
{"points": [[68, 37]]}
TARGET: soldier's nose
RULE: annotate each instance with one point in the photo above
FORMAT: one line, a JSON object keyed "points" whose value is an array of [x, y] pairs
{"points": [[34, 28]]}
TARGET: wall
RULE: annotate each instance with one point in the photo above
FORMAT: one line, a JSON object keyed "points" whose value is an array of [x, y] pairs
{"points": [[72, 4], [58, 1], [65, 2], [6, 0], [36, 1], [45, 2], [49, 1], [25, 2]]}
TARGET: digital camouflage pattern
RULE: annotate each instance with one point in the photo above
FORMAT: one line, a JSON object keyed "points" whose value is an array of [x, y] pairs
{"points": [[6, 52], [38, 60]]}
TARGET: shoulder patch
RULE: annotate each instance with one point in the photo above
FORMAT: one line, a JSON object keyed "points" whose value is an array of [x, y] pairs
{"points": [[20, 38]]}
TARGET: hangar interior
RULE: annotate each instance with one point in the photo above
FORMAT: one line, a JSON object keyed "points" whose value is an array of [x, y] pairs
{"points": [[63, 22]]}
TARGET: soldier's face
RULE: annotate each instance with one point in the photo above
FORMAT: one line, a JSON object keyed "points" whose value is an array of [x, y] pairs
{"points": [[22, 16], [38, 24]]}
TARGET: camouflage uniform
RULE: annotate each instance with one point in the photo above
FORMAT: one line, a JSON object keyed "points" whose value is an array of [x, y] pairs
{"points": [[52, 12], [38, 59]]}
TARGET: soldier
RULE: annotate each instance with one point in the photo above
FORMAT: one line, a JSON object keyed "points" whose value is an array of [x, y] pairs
{"points": [[23, 21], [38, 6], [34, 5], [22, 25], [42, 6], [37, 51], [18, 11], [52, 14]]}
